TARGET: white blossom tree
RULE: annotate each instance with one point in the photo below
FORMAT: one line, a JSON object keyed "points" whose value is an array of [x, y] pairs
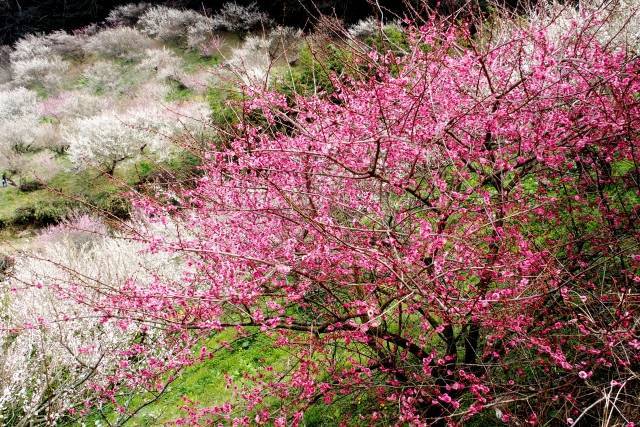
{"points": [[55, 354], [102, 141]]}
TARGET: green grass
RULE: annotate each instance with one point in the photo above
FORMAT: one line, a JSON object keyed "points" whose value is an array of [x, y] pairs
{"points": [[83, 190], [193, 61], [178, 92], [205, 382]]}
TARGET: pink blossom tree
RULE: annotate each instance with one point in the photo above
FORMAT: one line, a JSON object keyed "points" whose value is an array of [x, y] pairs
{"points": [[452, 236]]}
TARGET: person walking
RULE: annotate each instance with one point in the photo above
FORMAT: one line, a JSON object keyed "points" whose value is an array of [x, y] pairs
{"points": [[4, 179]]}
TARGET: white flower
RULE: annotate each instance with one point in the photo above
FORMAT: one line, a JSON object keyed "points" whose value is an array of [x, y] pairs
{"points": [[123, 42]]}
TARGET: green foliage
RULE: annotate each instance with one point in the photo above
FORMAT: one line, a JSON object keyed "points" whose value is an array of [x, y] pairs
{"points": [[50, 120], [178, 92], [27, 185], [344, 409], [144, 169], [184, 165], [41, 213], [205, 382], [314, 71], [30, 204], [223, 103], [112, 205], [391, 39], [194, 61]]}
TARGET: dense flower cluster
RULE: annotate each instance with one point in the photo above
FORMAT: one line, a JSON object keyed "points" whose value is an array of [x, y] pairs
{"points": [[127, 14], [121, 42], [105, 140], [170, 24], [449, 236], [456, 235], [236, 18], [55, 354]]}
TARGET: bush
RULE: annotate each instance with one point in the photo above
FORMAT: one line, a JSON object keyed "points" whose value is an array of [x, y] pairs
{"points": [[200, 37], [39, 58], [315, 70], [365, 28], [17, 102], [392, 38], [240, 19], [101, 141], [121, 43], [221, 102], [127, 15], [113, 205], [406, 199], [56, 369], [10, 160], [40, 214], [48, 71], [170, 24], [251, 62], [619, 21], [27, 185], [67, 45], [29, 47], [72, 103], [163, 63], [20, 134], [19, 125], [39, 168], [101, 77]]}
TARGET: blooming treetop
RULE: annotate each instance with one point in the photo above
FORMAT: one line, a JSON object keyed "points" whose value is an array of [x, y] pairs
{"points": [[451, 236]]}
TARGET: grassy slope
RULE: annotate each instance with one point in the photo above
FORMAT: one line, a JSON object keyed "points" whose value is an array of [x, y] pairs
{"points": [[205, 382], [69, 190]]}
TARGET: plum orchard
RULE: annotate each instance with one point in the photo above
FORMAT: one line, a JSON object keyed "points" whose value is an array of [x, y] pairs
{"points": [[453, 237]]}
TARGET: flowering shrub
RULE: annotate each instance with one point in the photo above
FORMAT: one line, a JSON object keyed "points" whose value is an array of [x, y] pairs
{"points": [[200, 37], [210, 46], [236, 18], [11, 162], [163, 63], [127, 15], [451, 239], [617, 24], [106, 140], [109, 78], [17, 102], [102, 141], [47, 71], [48, 372], [250, 62], [40, 167], [30, 47], [122, 42], [73, 104], [19, 124], [37, 59], [365, 28], [170, 24], [103, 76], [65, 44]]}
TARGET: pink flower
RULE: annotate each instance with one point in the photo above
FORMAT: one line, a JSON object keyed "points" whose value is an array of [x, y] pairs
{"points": [[585, 375]]}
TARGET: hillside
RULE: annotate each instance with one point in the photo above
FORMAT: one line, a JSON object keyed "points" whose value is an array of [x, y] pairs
{"points": [[209, 218]]}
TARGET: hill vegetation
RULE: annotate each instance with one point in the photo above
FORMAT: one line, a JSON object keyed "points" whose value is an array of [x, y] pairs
{"points": [[427, 221]]}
